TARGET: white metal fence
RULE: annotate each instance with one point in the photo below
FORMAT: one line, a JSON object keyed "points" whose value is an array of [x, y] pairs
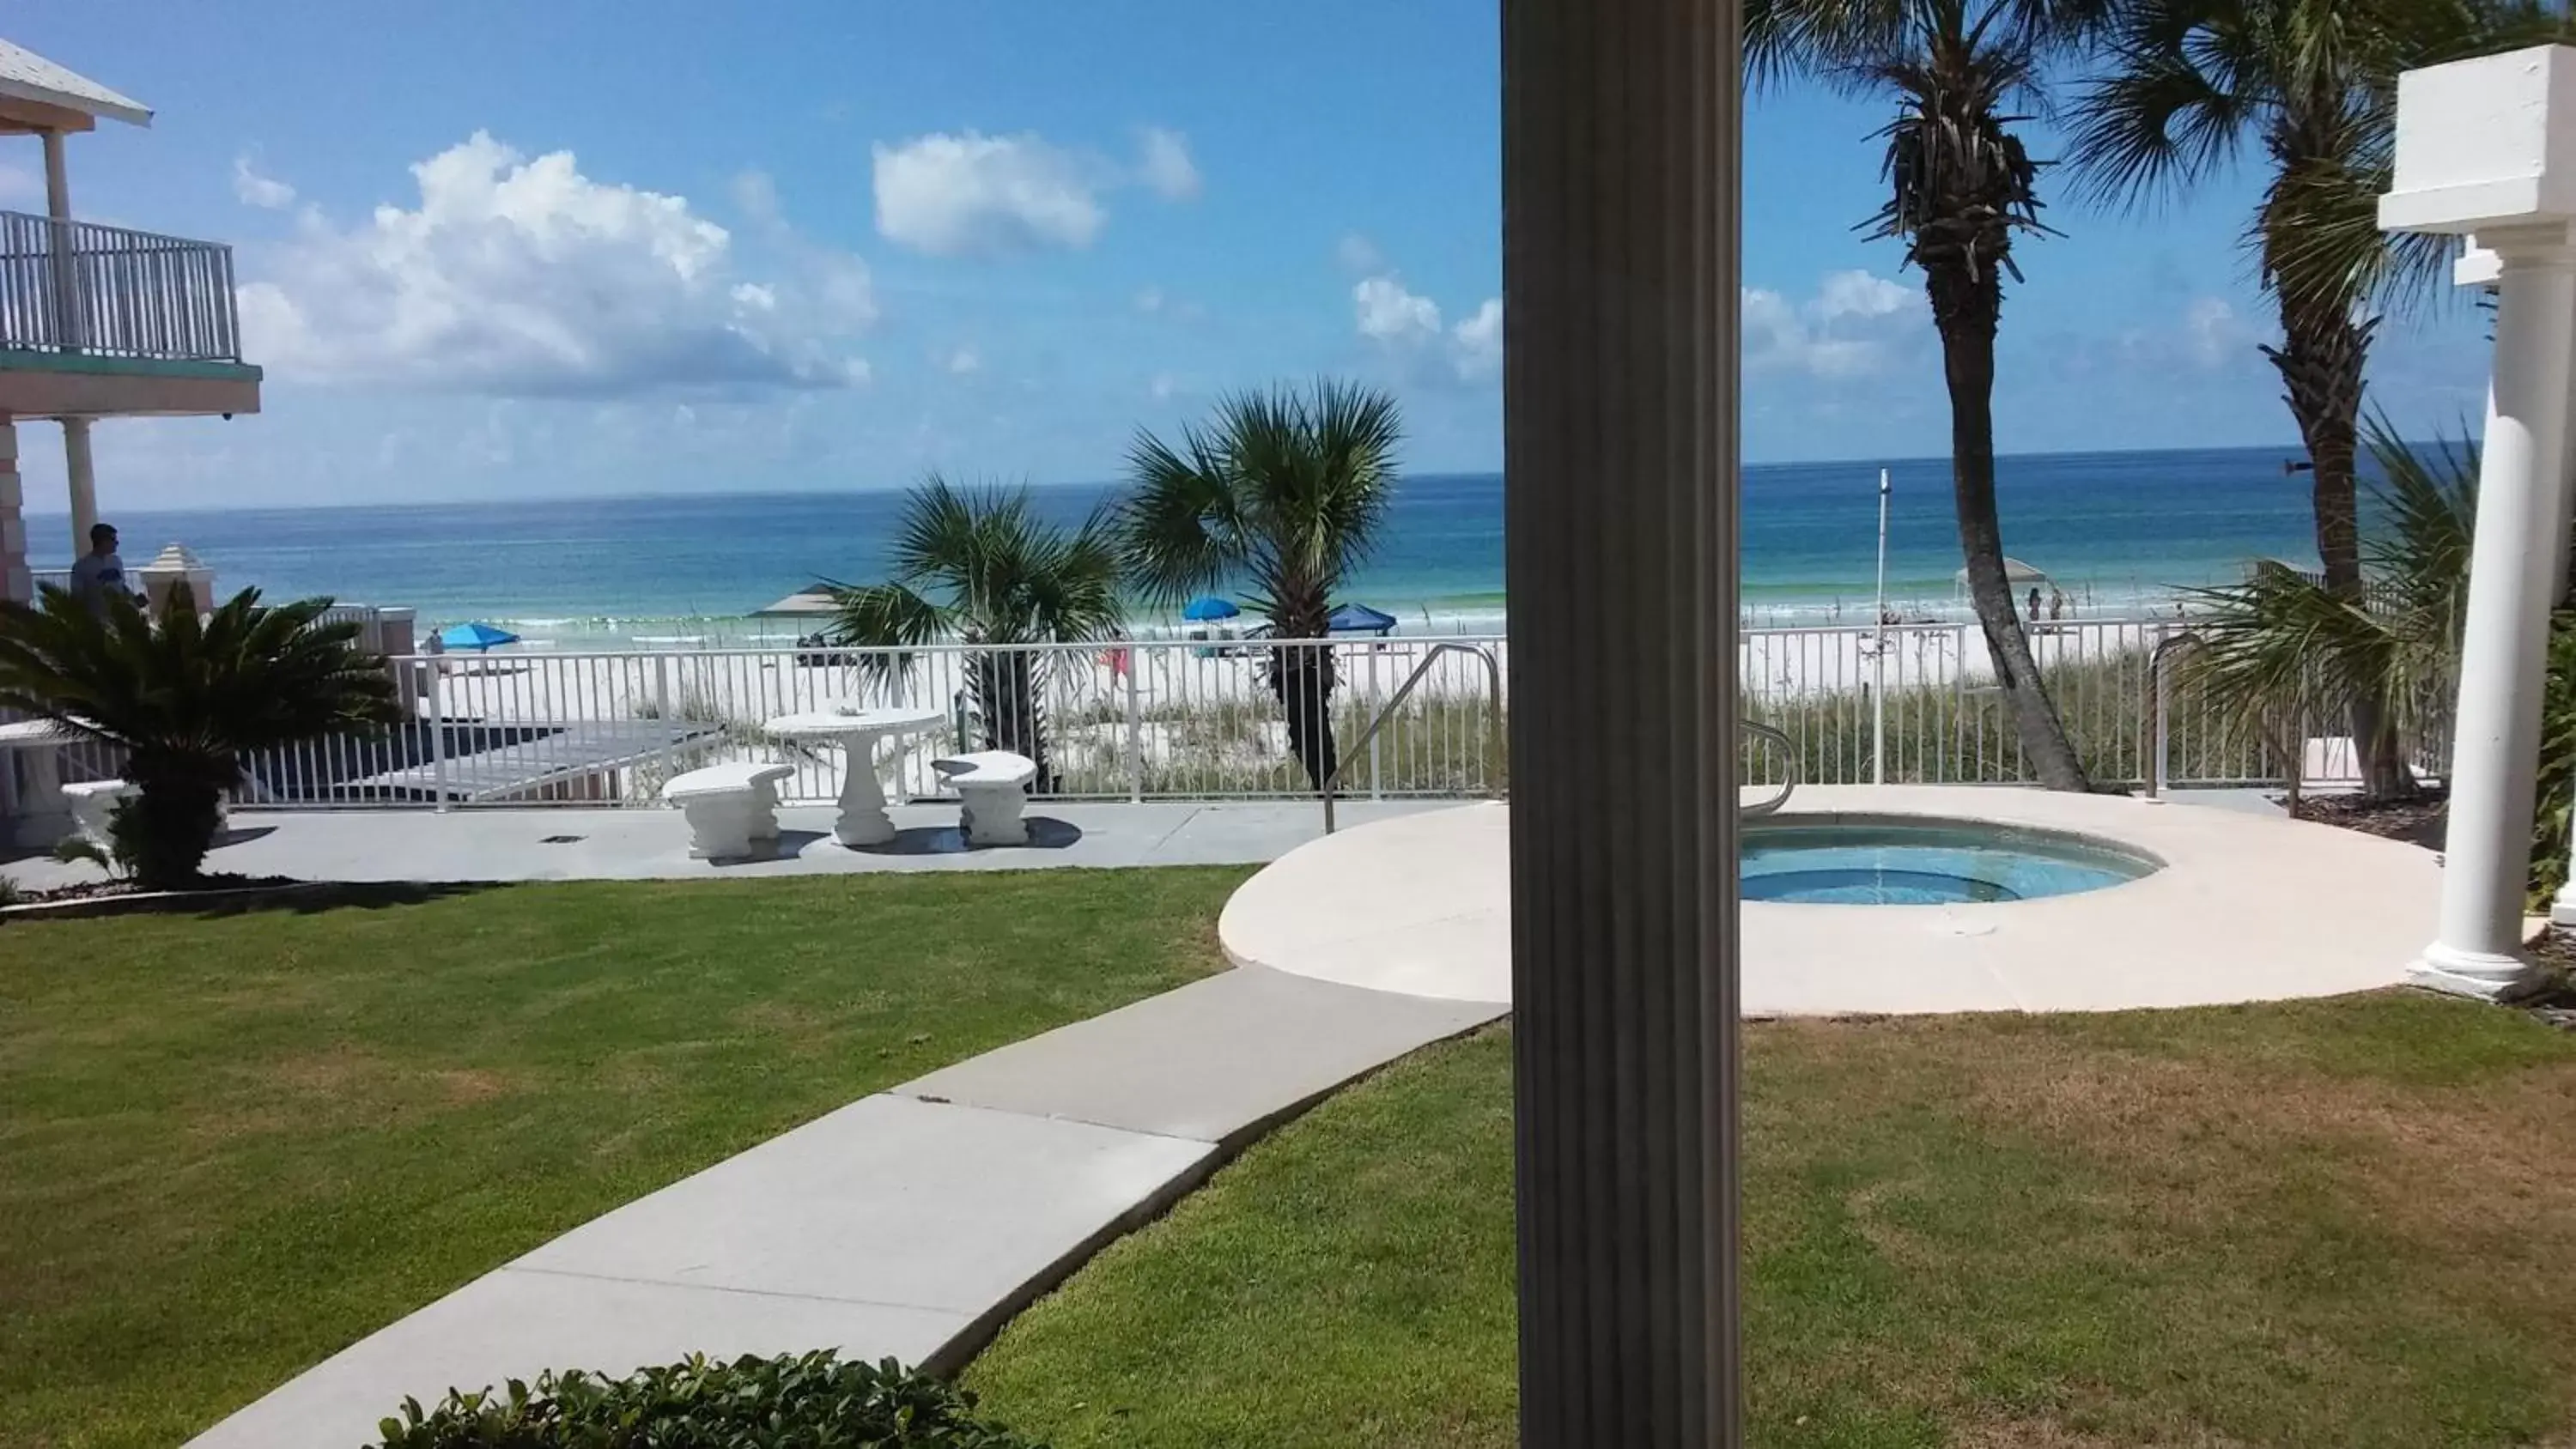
{"points": [[1186, 719], [77, 286], [1134, 721]]}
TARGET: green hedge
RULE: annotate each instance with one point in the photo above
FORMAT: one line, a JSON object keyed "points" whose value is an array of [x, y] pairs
{"points": [[815, 1401]]}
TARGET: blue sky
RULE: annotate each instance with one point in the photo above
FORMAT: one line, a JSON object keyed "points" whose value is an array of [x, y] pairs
{"points": [[503, 250]]}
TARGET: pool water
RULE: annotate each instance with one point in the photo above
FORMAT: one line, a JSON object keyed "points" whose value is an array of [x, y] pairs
{"points": [[1901, 862]]}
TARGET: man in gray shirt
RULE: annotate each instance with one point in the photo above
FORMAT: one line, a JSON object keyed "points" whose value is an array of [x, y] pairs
{"points": [[99, 572]]}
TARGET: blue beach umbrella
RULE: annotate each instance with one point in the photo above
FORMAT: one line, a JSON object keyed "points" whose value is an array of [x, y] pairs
{"points": [[477, 637], [1208, 608], [1360, 619]]}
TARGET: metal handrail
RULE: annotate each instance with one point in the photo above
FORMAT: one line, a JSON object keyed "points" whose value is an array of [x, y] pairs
{"points": [[2159, 698], [1404, 691], [1788, 752]]}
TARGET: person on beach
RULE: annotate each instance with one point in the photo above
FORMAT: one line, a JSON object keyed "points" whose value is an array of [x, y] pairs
{"points": [[99, 572], [2034, 603], [2056, 605]]}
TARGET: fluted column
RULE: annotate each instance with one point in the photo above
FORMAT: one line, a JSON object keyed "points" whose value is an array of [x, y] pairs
{"points": [[1620, 182], [2513, 567], [80, 474], [15, 581]]}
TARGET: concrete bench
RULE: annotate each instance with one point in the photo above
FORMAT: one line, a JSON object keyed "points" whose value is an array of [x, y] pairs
{"points": [[93, 805], [732, 809], [992, 790]]}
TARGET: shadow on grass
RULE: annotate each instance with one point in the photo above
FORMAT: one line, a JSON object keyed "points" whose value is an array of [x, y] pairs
{"points": [[306, 898]]}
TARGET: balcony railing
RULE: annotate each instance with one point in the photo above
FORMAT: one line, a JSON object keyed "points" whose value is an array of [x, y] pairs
{"points": [[78, 287]]}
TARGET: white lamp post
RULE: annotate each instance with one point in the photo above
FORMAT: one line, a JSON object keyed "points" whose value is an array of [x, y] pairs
{"points": [[2489, 146]]}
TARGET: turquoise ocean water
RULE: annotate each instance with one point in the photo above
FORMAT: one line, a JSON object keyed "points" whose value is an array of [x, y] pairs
{"points": [[2115, 529]]}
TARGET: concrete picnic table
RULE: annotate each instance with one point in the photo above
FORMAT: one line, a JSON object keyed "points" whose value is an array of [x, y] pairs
{"points": [[863, 819]]}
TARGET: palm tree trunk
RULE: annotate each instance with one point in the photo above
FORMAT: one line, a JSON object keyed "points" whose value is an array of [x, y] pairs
{"points": [[1966, 305], [171, 827], [2321, 360], [1006, 686], [1302, 676]]}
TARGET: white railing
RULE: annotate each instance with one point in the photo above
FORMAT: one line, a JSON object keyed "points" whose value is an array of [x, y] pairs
{"points": [[1198, 720], [77, 286], [1132, 721]]}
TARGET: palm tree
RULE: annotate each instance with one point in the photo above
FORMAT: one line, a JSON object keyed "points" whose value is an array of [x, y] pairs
{"points": [[1961, 188], [1283, 493], [983, 568], [186, 698], [2192, 84], [2283, 648]]}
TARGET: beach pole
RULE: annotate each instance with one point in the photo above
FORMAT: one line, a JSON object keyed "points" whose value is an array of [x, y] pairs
{"points": [[1878, 656]]}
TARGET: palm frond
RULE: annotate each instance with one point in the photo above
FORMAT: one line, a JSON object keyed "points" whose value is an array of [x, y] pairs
{"points": [[1180, 526], [188, 694], [2281, 646], [980, 565], [2155, 122], [1283, 492], [1831, 40]]}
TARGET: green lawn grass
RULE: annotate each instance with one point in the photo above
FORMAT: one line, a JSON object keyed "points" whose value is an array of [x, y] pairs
{"points": [[2334, 1224], [229, 1146]]}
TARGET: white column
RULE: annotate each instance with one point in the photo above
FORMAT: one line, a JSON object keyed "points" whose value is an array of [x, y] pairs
{"points": [[2522, 524], [15, 581], [72, 332], [83, 479], [1621, 131]]}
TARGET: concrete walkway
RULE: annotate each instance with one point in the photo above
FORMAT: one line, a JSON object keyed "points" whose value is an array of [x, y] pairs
{"points": [[910, 1224], [593, 843]]}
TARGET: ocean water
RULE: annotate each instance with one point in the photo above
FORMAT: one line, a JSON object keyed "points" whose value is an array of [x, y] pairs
{"points": [[2115, 530]]}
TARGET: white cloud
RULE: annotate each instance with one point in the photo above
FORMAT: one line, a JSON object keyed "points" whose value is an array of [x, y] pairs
{"points": [[1407, 326], [2214, 334], [254, 189], [521, 276], [1155, 302], [1357, 253], [1387, 313], [1478, 342], [963, 362], [755, 195], [19, 183], [1165, 164], [1163, 386], [1861, 294], [977, 195], [1855, 325]]}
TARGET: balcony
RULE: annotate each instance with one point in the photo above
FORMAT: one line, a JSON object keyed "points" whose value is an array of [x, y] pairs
{"points": [[106, 321], [76, 286]]}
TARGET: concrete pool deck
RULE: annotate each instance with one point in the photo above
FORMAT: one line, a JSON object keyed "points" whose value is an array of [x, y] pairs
{"points": [[2247, 908]]}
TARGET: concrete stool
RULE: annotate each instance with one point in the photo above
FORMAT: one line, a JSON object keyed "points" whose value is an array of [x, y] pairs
{"points": [[730, 807], [992, 790]]}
